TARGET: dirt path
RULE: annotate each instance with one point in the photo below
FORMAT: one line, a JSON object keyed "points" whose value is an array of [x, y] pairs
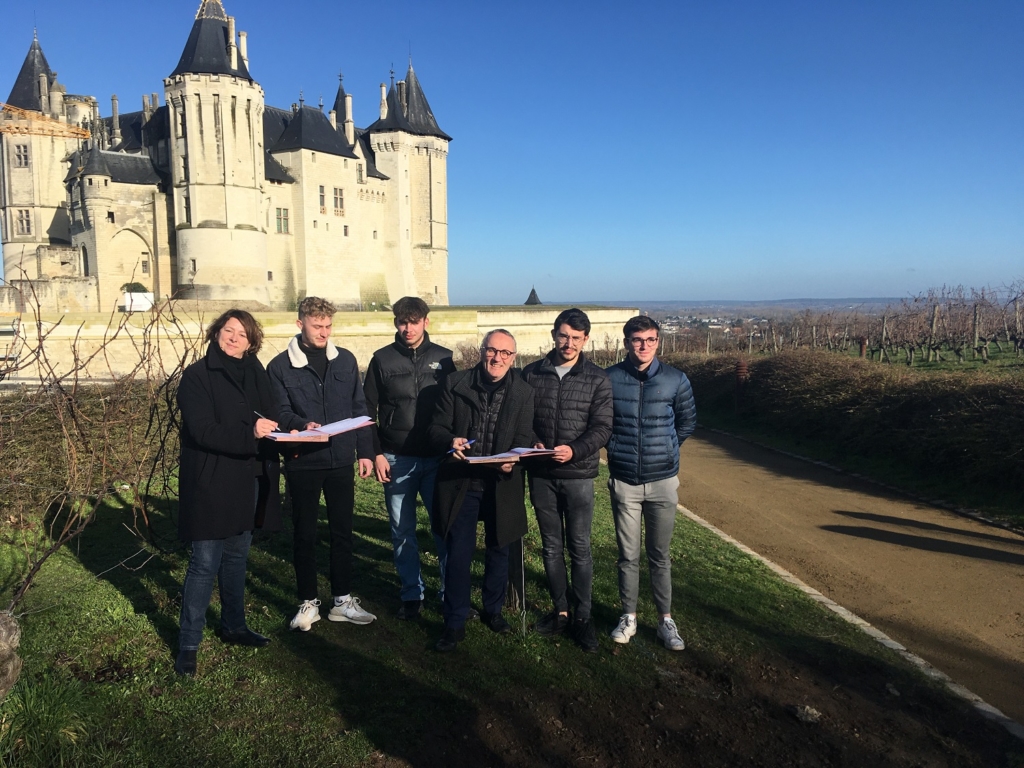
{"points": [[949, 588]]}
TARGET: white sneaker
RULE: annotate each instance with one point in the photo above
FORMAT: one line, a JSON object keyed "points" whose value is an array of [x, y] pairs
{"points": [[309, 612], [668, 634], [350, 611], [625, 630]]}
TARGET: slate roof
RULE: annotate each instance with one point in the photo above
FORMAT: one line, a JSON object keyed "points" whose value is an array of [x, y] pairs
{"points": [[207, 48], [418, 113], [415, 116], [25, 93], [310, 129], [121, 168], [274, 171], [363, 139], [533, 299], [132, 129], [274, 122], [339, 104]]}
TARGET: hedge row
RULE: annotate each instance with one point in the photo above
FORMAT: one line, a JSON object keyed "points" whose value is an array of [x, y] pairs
{"points": [[968, 426]]}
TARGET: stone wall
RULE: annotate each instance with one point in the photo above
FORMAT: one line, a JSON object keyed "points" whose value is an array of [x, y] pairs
{"points": [[160, 347]]}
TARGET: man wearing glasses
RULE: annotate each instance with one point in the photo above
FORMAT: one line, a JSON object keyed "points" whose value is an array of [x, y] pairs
{"points": [[654, 414], [481, 412], [573, 416]]}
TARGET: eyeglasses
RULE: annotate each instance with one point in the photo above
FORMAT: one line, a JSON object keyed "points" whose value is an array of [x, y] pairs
{"points": [[504, 354], [564, 338], [636, 341]]}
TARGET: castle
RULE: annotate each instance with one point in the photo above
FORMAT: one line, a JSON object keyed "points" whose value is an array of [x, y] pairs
{"points": [[215, 197]]}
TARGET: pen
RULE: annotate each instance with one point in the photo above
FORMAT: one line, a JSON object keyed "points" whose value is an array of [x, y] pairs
{"points": [[469, 443], [260, 415]]}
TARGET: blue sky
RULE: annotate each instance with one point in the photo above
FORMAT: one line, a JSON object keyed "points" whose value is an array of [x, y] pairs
{"points": [[732, 150]]}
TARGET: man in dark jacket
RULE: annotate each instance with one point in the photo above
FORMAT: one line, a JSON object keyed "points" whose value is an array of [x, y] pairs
{"points": [[654, 414], [402, 386], [483, 411], [317, 383], [572, 415]]}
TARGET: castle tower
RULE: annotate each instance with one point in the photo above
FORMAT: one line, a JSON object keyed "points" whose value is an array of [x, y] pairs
{"points": [[217, 165], [412, 149], [34, 139]]}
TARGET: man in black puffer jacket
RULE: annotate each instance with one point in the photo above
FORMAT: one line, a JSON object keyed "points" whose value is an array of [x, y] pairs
{"points": [[402, 385], [572, 415]]}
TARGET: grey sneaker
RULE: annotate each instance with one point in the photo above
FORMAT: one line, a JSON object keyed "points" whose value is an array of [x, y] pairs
{"points": [[350, 611], [625, 630], [309, 613], [668, 634]]}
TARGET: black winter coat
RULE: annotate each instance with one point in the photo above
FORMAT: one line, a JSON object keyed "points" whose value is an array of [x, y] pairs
{"points": [[302, 396], [402, 387], [458, 414], [654, 414], [575, 410], [220, 455]]}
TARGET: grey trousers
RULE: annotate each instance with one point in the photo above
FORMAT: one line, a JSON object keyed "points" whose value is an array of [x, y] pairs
{"points": [[655, 505]]}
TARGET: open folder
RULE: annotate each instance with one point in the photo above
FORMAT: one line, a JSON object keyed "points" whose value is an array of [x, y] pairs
{"points": [[322, 434], [509, 456]]}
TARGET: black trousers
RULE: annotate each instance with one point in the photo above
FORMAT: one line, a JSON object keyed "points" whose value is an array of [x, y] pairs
{"points": [[338, 487]]}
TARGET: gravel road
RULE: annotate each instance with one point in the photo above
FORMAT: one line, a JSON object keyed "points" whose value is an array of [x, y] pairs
{"points": [[949, 588]]}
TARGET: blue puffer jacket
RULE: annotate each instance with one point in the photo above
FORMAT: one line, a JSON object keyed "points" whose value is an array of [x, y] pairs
{"points": [[654, 414]]}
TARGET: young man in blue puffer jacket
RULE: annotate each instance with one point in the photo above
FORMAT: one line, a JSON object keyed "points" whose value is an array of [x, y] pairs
{"points": [[653, 414]]}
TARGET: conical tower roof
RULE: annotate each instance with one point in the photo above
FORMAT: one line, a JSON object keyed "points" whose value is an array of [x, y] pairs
{"points": [[395, 121], [206, 51], [339, 101], [95, 165], [533, 299], [421, 119], [25, 93]]}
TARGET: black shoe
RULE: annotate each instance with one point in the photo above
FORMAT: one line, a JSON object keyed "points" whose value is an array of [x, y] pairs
{"points": [[185, 664], [496, 623], [245, 637], [585, 635], [450, 638], [410, 610], [552, 625], [473, 614]]}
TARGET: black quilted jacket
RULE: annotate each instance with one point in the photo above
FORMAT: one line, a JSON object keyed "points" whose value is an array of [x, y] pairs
{"points": [[575, 410]]}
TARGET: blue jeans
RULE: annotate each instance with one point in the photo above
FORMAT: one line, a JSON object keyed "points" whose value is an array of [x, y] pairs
{"points": [[411, 475], [565, 512], [224, 559], [461, 541]]}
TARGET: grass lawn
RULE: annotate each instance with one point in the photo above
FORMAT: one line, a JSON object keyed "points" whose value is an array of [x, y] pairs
{"points": [[98, 686]]}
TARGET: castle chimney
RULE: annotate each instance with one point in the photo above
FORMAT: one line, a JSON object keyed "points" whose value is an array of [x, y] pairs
{"points": [[383, 101], [350, 127], [333, 117], [115, 121], [44, 94], [145, 108], [56, 100], [243, 46], [155, 102], [295, 108], [403, 96], [232, 49]]}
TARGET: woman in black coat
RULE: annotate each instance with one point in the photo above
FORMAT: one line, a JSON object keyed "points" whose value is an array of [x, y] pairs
{"points": [[228, 479]]}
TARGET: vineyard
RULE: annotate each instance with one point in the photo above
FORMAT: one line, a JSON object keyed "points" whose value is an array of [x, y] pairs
{"points": [[948, 325]]}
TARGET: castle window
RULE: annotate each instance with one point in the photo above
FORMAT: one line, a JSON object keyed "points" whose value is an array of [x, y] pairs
{"points": [[314, 223], [346, 230], [313, 154], [375, 234], [282, 221], [323, 199], [339, 201], [90, 182], [345, 163], [21, 155], [106, 182], [24, 222], [110, 217], [188, 211], [192, 266], [359, 174], [270, 277], [145, 265]]}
